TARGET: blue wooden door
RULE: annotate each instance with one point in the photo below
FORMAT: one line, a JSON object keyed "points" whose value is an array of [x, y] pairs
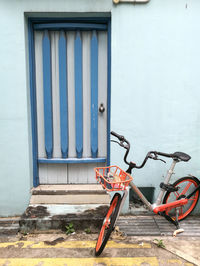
{"points": [[71, 82]]}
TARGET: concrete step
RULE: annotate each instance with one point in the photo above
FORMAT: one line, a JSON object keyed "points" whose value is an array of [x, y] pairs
{"points": [[46, 225], [69, 194], [9, 226], [55, 217], [8, 221], [70, 199], [68, 189], [52, 207], [9, 230]]}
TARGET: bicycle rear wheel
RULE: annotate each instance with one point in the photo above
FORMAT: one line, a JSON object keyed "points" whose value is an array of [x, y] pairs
{"points": [[108, 224], [186, 185]]}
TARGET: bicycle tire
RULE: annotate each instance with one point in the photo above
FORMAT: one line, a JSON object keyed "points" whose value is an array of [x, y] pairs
{"points": [[186, 185], [108, 224]]}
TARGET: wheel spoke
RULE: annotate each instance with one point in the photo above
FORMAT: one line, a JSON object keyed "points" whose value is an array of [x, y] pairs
{"points": [[176, 194], [192, 198], [186, 189]]}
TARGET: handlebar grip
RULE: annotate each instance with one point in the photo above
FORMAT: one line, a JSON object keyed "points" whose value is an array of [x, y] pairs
{"points": [[120, 137], [164, 154]]}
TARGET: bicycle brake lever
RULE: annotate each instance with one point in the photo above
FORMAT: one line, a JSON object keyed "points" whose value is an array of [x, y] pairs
{"points": [[156, 158], [115, 141], [125, 146], [121, 143], [150, 156], [162, 160]]}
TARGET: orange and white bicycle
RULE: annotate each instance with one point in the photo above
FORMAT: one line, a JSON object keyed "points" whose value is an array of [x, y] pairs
{"points": [[174, 202]]}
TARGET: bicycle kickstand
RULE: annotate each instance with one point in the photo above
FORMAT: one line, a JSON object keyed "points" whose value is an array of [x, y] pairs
{"points": [[178, 230], [174, 222]]}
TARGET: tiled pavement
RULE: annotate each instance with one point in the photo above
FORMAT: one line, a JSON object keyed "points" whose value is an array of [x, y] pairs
{"points": [[157, 225]]}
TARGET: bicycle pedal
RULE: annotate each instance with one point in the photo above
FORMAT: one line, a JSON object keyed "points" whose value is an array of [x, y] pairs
{"points": [[178, 231]]}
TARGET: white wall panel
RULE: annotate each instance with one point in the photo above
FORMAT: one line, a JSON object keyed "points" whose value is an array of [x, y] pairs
{"points": [[83, 173], [86, 36], [102, 93], [39, 93], [55, 94], [53, 173], [71, 93]]}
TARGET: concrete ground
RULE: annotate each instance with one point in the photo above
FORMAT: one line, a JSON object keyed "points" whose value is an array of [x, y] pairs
{"points": [[137, 240], [78, 249]]}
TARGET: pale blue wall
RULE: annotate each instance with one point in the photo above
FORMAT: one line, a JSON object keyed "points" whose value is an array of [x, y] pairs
{"points": [[15, 169], [155, 70]]}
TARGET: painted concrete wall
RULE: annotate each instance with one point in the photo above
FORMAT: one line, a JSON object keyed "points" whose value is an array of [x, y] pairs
{"points": [[155, 70]]}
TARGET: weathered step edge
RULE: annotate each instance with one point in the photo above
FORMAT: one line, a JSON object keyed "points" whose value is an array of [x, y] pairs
{"points": [[70, 199], [5, 231], [34, 225], [40, 218], [9, 221], [67, 192]]}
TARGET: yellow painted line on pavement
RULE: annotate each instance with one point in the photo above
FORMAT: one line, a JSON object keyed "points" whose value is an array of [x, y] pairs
{"points": [[71, 244], [174, 261], [79, 261], [113, 244]]}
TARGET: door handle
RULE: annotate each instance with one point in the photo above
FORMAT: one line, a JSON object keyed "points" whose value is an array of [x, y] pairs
{"points": [[101, 108]]}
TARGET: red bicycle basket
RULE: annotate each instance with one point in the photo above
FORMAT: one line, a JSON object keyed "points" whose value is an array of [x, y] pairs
{"points": [[112, 178]]}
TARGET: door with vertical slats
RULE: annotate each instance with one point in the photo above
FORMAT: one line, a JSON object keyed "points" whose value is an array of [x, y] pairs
{"points": [[71, 84]]}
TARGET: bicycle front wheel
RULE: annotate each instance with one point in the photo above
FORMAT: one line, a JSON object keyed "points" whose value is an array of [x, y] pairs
{"points": [[108, 224], [186, 185]]}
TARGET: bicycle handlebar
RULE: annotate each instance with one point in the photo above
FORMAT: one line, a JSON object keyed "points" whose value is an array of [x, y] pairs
{"points": [[164, 154], [121, 143], [150, 155], [120, 137]]}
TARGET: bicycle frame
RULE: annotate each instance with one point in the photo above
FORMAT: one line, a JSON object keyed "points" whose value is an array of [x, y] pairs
{"points": [[157, 206]]}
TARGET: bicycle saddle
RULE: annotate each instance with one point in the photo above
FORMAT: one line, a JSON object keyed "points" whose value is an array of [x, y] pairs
{"points": [[181, 156]]}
